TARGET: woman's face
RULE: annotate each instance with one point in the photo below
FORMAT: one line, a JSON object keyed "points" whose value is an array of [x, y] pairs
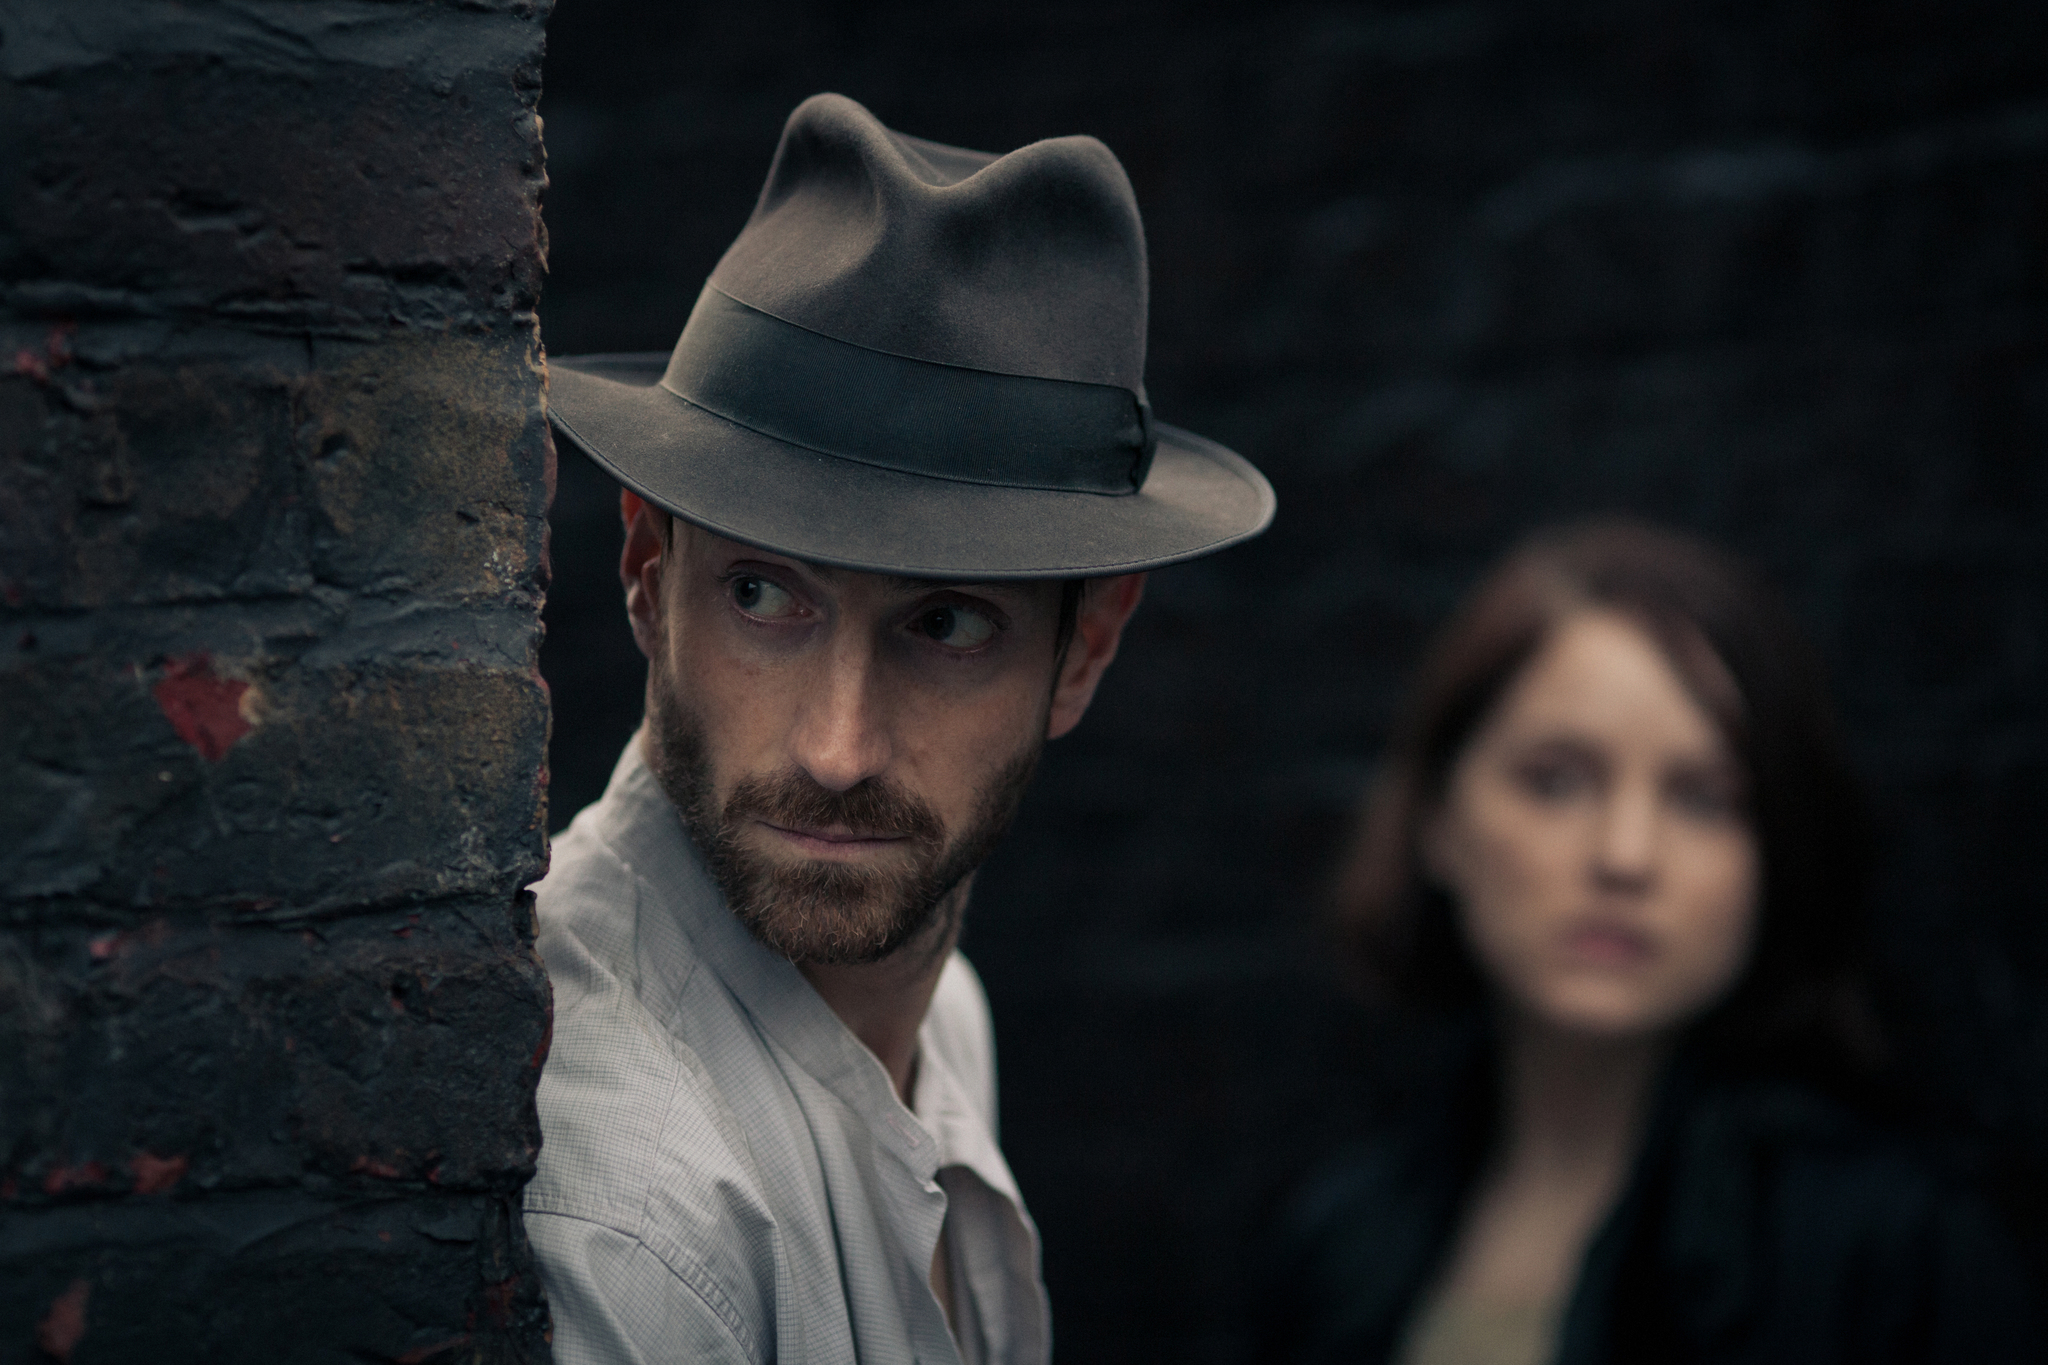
{"points": [[1593, 834]]}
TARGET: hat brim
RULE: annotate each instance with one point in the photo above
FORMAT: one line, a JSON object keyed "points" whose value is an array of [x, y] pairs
{"points": [[737, 482]]}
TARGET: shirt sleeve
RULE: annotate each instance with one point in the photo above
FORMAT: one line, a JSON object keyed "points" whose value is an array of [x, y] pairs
{"points": [[614, 1302]]}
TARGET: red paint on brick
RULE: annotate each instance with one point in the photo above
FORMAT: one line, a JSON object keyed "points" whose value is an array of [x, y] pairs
{"points": [[57, 344], [63, 1327], [158, 1174], [383, 1170], [540, 1049], [84, 1176], [498, 1300], [420, 1353], [205, 710], [113, 944], [56, 354]]}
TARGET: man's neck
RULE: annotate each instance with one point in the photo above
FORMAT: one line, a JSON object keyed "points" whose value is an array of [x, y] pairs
{"points": [[884, 1002]]}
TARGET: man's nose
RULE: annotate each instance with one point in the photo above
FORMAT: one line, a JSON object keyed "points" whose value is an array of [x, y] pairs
{"points": [[841, 736]]}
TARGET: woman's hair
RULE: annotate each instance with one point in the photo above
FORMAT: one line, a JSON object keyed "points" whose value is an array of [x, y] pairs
{"points": [[1800, 1004]]}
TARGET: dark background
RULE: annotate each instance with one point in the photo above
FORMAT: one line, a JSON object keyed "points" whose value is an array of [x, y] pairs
{"points": [[1771, 271]]}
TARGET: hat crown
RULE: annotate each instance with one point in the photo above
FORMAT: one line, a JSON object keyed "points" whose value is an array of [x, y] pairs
{"points": [[1030, 263]]}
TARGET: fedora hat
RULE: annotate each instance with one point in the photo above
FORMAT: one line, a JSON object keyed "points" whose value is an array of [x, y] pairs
{"points": [[919, 360]]}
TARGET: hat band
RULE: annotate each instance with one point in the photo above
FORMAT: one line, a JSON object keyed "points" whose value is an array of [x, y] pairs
{"points": [[914, 416]]}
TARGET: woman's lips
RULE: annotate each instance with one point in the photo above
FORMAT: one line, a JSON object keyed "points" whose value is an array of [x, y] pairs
{"points": [[1609, 945]]}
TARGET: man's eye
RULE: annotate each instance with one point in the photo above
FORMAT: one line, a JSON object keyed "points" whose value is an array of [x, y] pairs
{"points": [[956, 627], [762, 597]]}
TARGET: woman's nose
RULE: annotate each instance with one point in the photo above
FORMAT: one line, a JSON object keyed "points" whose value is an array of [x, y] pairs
{"points": [[1625, 844]]}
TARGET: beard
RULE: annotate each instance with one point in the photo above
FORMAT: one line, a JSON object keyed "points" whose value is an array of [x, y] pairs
{"points": [[817, 911]]}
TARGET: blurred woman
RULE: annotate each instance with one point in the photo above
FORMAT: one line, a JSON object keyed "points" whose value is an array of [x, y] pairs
{"points": [[1617, 829]]}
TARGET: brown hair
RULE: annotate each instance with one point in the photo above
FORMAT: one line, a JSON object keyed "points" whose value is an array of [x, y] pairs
{"points": [[1801, 1002]]}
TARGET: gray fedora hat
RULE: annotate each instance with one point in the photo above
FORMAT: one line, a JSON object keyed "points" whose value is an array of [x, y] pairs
{"points": [[919, 360]]}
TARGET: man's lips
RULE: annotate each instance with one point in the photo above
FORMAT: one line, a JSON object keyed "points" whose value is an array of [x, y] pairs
{"points": [[833, 843]]}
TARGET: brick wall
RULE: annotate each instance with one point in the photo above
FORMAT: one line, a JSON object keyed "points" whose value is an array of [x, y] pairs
{"points": [[273, 480]]}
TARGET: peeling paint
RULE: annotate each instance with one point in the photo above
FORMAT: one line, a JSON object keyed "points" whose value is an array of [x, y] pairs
{"points": [[63, 1327], [158, 1174], [419, 1354], [55, 355], [86, 1175], [205, 710]]}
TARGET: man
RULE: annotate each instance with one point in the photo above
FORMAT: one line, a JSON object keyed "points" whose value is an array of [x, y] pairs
{"points": [[888, 508]]}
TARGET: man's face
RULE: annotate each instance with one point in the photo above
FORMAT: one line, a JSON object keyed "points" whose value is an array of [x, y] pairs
{"points": [[844, 747]]}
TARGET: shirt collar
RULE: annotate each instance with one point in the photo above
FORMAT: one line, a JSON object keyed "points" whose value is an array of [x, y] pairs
{"points": [[965, 1136]]}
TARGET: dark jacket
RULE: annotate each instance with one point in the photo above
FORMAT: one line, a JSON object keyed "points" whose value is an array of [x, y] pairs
{"points": [[1762, 1223]]}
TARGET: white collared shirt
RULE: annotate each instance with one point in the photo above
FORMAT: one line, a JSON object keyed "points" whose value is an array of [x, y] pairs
{"points": [[726, 1173]]}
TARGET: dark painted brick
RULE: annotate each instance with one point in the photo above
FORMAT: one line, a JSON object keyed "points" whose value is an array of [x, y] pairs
{"points": [[404, 191], [273, 483], [263, 1277], [413, 466], [372, 1051], [361, 780]]}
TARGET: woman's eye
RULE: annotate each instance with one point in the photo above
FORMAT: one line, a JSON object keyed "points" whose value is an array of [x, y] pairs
{"points": [[1553, 781], [761, 597], [1705, 798], [956, 627]]}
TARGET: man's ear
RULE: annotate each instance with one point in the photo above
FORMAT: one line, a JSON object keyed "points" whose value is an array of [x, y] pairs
{"points": [[640, 568], [1106, 604]]}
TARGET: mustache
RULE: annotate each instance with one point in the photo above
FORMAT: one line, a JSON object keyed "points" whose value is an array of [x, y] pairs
{"points": [[870, 809]]}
